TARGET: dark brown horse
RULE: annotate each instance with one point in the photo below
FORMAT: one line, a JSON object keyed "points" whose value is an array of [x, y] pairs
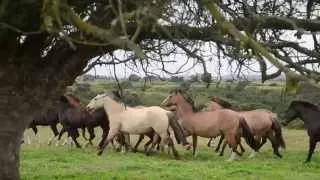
{"points": [[50, 118], [71, 118], [90, 120], [309, 114]]}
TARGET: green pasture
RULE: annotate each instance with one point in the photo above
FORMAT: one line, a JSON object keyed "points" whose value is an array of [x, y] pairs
{"points": [[40, 161]]}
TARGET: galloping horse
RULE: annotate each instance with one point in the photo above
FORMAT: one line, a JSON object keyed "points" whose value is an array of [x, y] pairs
{"points": [[211, 123], [263, 123], [128, 120], [309, 114], [50, 118], [72, 118]]}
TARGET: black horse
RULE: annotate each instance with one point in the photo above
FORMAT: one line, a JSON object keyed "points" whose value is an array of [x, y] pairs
{"points": [[49, 118], [309, 114], [72, 118]]}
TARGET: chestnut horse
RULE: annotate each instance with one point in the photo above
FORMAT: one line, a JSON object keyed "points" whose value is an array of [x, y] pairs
{"points": [[263, 123], [211, 123], [128, 120]]}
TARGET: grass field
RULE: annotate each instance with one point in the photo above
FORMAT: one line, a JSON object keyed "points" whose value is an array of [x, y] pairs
{"points": [[39, 161]]}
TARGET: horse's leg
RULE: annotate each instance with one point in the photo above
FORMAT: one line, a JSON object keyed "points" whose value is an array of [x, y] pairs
{"points": [[223, 148], [219, 144], [194, 144], [233, 142], [126, 138], [174, 151], [150, 141], [312, 146], [104, 136], [84, 133], [55, 134], [254, 153], [241, 148], [91, 134], [209, 142], [74, 135], [275, 146], [112, 133], [141, 137], [154, 142]]}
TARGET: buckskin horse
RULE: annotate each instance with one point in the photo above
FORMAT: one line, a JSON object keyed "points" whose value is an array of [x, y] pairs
{"points": [[128, 120]]}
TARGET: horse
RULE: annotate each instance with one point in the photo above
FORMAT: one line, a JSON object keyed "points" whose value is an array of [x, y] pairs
{"points": [[128, 120], [309, 114], [178, 132], [210, 123], [50, 118], [72, 118], [263, 123]]}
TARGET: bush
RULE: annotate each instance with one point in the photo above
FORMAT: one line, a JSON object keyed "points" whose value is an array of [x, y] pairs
{"points": [[206, 77], [185, 86], [176, 79], [131, 99], [194, 78], [273, 84], [134, 77], [124, 85], [241, 85]]}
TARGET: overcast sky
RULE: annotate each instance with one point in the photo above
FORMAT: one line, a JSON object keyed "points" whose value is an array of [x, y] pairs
{"points": [[123, 71]]}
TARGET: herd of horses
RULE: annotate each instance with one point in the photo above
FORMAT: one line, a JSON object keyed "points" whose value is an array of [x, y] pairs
{"points": [[176, 116]]}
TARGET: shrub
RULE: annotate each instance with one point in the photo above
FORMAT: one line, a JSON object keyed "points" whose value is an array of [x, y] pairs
{"points": [[176, 79], [194, 78], [206, 77], [241, 85], [131, 99], [273, 84], [134, 77], [185, 86]]}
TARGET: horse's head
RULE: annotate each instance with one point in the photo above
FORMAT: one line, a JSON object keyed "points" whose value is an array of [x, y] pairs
{"points": [[173, 99], [97, 102], [291, 113]]}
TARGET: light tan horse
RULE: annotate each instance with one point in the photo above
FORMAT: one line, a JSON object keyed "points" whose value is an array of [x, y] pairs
{"points": [[263, 123], [128, 120], [210, 124]]}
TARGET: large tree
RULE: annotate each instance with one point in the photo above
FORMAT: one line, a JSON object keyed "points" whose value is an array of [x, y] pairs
{"points": [[45, 44]]}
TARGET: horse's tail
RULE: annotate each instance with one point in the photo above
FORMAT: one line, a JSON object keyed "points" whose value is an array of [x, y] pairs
{"points": [[276, 127], [247, 134], [177, 129]]}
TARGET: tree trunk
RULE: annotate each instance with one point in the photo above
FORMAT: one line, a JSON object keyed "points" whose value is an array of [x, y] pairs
{"points": [[10, 138], [11, 130], [16, 110]]}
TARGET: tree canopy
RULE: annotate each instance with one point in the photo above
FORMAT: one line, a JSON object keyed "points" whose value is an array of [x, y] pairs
{"points": [[46, 44], [54, 31]]}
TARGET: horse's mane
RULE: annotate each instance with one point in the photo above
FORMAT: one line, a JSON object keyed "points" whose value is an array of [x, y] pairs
{"points": [[188, 98], [73, 97], [305, 104], [222, 102]]}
